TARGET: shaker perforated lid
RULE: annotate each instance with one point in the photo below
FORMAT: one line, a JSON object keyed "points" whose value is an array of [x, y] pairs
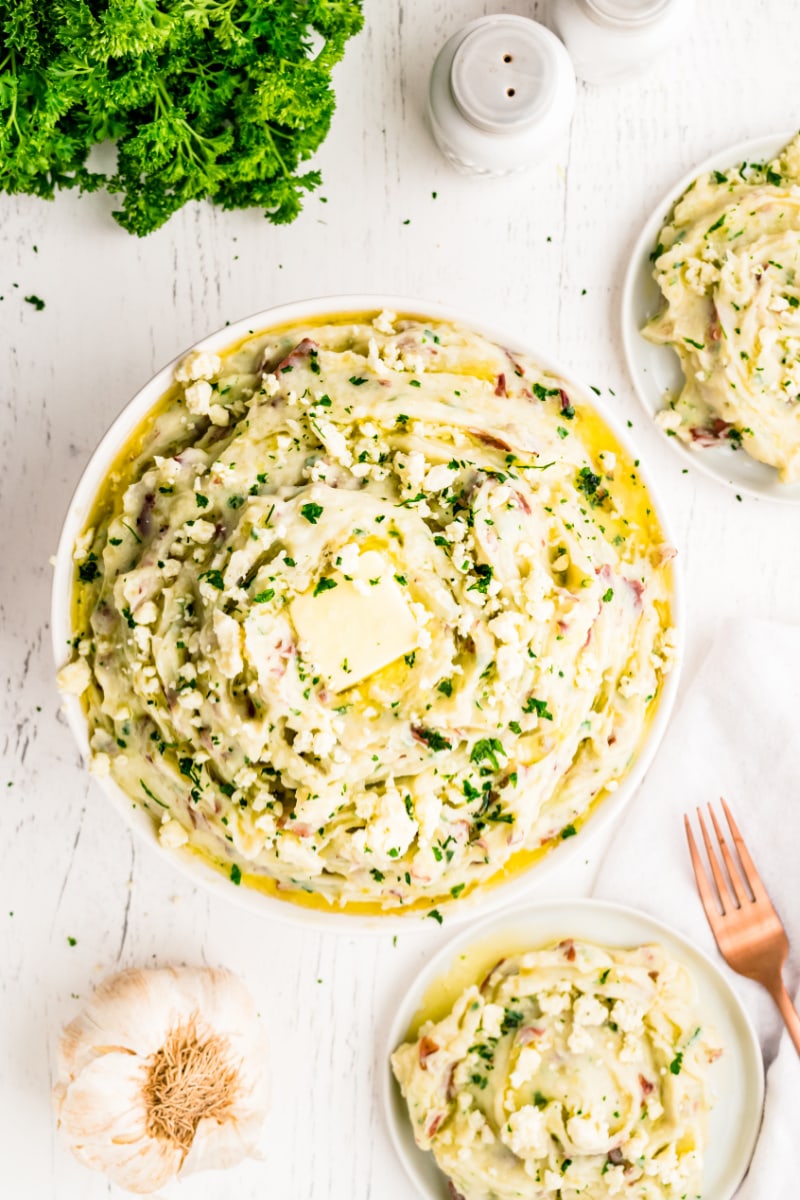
{"points": [[508, 73]]}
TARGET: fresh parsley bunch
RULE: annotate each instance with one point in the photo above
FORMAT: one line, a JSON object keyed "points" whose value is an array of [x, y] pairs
{"points": [[217, 99]]}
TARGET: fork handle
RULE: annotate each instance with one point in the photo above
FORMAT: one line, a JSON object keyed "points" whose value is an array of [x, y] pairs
{"points": [[788, 1011]]}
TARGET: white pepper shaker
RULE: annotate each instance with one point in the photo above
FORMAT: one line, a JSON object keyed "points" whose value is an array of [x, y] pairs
{"points": [[501, 97], [610, 39]]}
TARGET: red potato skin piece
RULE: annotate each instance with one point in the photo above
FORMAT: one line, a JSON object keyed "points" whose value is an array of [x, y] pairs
{"points": [[427, 1047], [710, 435], [453, 1190], [637, 587], [500, 386], [646, 1086], [485, 981], [489, 439], [434, 1125], [568, 946], [301, 351], [522, 503], [528, 1034]]}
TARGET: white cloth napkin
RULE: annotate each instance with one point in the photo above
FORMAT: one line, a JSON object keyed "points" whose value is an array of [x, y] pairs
{"points": [[736, 734]]}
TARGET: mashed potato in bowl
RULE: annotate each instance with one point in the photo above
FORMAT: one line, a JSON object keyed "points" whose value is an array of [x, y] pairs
{"points": [[367, 610], [570, 1071], [728, 266]]}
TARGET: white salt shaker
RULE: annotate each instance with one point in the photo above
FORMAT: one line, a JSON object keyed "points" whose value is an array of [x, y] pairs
{"points": [[501, 96], [609, 39]]}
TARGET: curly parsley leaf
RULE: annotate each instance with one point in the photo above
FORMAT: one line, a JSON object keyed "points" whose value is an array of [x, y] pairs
{"points": [[205, 99]]}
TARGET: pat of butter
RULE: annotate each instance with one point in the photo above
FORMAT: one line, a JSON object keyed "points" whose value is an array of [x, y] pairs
{"points": [[351, 631]]}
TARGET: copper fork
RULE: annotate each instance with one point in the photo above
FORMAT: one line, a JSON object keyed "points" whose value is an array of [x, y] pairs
{"points": [[745, 924]]}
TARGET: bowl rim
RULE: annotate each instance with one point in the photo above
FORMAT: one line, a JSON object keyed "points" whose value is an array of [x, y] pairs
{"points": [[577, 909], [481, 902], [702, 459]]}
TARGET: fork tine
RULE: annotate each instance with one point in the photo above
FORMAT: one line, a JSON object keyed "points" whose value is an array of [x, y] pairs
{"points": [[751, 875], [733, 874], [725, 900], [707, 897]]}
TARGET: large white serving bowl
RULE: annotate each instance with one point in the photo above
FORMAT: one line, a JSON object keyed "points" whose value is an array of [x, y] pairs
{"points": [[490, 896], [655, 369], [737, 1080]]}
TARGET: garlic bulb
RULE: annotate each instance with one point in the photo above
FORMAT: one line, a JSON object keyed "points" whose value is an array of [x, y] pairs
{"points": [[163, 1074]]}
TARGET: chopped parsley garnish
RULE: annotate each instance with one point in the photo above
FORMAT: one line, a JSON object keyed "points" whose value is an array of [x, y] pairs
{"points": [[36, 301], [717, 225], [264, 596], [89, 570], [324, 585], [235, 501], [512, 1019], [435, 915], [152, 795], [484, 573], [456, 891], [541, 393], [236, 874], [697, 345], [312, 512], [537, 706], [568, 831], [201, 500], [357, 380], [446, 687], [676, 1064], [436, 741], [487, 749], [214, 578], [608, 595], [588, 482]]}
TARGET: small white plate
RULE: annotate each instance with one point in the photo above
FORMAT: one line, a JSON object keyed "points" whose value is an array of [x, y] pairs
{"points": [[737, 1079], [656, 369]]}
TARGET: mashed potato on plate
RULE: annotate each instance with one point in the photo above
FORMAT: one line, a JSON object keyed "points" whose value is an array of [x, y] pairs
{"points": [[368, 607], [574, 1071], [728, 265]]}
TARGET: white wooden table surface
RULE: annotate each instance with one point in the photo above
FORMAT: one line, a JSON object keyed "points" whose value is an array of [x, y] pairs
{"points": [[544, 255]]}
